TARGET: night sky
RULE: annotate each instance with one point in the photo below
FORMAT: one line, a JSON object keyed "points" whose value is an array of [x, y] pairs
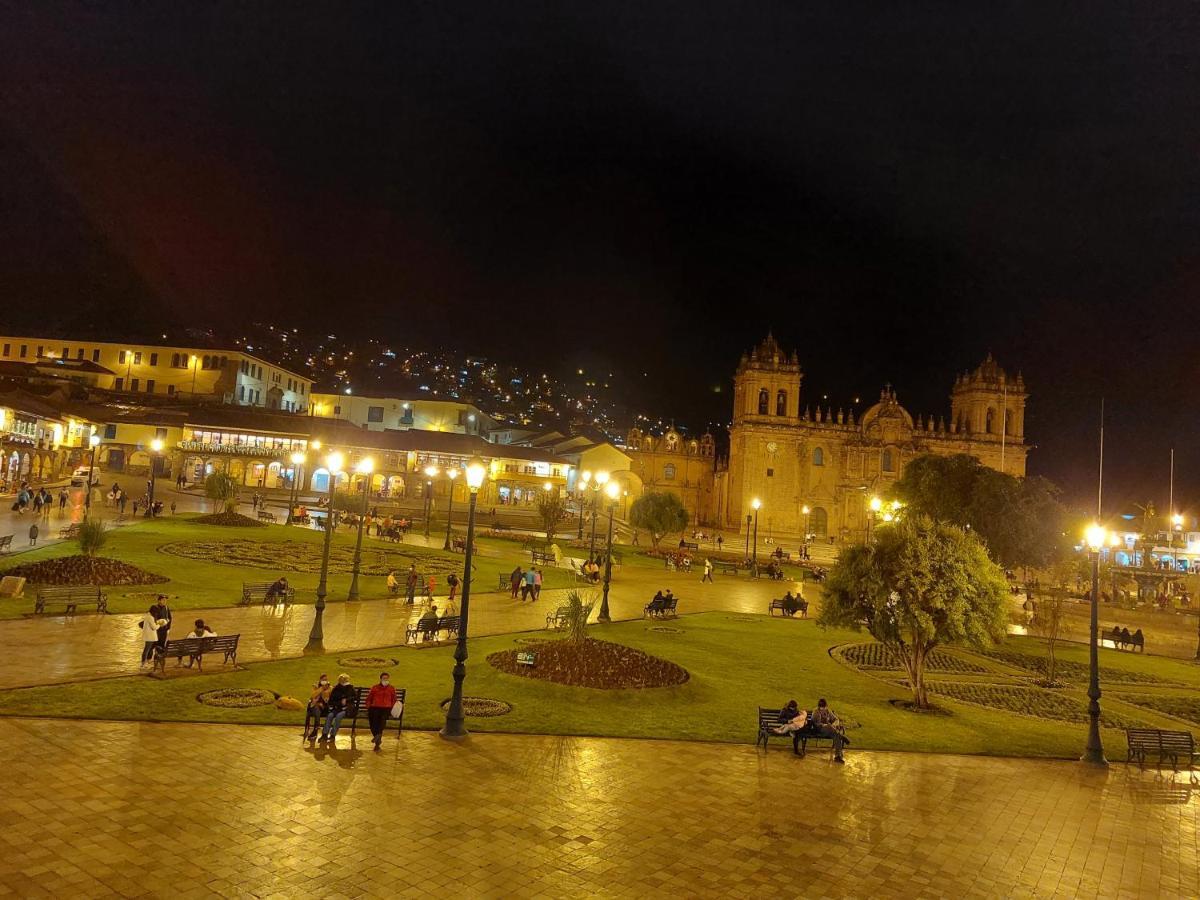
{"points": [[895, 189]]}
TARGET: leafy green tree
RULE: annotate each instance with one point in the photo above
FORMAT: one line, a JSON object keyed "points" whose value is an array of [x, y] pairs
{"points": [[222, 488], [920, 584], [92, 537], [552, 508], [1020, 520], [659, 513]]}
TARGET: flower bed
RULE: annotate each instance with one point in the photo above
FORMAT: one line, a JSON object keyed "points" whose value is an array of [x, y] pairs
{"points": [[84, 570], [876, 656], [297, 556], [1068, 669], [1030, 701], [238, 698], [368, 662], [592, 663], [482, 707], [229, 519], [1186, 708]]}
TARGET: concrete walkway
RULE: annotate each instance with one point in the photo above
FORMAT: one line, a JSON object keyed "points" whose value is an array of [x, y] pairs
{"points": [[94, 809], [58, 649]]}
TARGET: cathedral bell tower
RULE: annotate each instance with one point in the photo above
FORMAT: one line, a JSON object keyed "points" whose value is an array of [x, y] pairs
{"points": [[766, 386], [988, 403]]}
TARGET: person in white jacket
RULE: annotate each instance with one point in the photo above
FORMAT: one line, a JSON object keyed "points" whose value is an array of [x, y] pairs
{"points": [[150, 625]]}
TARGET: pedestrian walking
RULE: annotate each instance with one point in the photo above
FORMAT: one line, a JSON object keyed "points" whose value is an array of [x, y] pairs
{"points": [[62, 500], [380, 700], [537, 583], [452, 581], [412, 582], [33, 534], [514, 580], [527, 587], [708, 569]]}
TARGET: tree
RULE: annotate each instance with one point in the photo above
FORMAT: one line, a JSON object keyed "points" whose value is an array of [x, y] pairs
{"points": [[222, 488], [658, 513], [920, 584], [1020, 520], [552, 507], [1050, 610], [579, 608], [92, 537]]}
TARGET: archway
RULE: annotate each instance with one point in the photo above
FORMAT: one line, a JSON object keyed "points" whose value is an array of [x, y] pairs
{"points": [[818, 522]]}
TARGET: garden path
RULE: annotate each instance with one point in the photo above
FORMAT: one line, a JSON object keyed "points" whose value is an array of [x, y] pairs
{"points": [[247, 811], [57, 649]]}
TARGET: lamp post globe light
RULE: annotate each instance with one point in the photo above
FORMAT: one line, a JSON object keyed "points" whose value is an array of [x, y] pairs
{"points": [[94, 441], [333, 464], [364, 468], [1096, 537], [1176, 529], [430, 473], [757, 505], [805, 511], [455, 726], [613, 491], [298, 460], [451, 473], [156, 446], [581, 489]]}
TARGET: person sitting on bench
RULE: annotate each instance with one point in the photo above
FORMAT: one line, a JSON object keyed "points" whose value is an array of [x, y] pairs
{"points": [[792, 720], [200, 631], [277, 590], [429, 619], [1138, 639], [1126, 637], [790, 604], [656, 602], [1116, 635], [827, 724]]}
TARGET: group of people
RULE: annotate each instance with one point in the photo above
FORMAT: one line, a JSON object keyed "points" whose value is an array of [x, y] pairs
{"points": [[792, 604], [40, 501], [527, 583], [1121, 637], [823, 722], [155, 627], [329, 704], [412, 583]]}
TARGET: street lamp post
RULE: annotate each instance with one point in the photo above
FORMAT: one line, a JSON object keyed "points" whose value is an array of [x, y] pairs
{"points": [[298, 459], [315, 637], [430, 474], [94, 440], [756, 504], [1094, 753], [805, 510], [748, 520], [364, 467], [584, 477], [598, 482], [156, 446], [1177, 527], [873, 508], [452, 474], [195, 367], [455, 726], [613, 490]]}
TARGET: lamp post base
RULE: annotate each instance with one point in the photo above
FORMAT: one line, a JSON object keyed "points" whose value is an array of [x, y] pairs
{"points": [[1094, 758]]}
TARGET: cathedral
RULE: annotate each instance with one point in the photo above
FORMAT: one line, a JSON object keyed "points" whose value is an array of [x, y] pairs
{"points": [[815, 471]]}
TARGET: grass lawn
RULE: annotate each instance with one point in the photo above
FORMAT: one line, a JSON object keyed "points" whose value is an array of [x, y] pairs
{"points": [[199, 583], [736, 662]]}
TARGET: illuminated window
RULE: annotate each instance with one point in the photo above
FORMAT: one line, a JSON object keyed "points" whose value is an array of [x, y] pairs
{"points": [[764, 400], [818, 457]]}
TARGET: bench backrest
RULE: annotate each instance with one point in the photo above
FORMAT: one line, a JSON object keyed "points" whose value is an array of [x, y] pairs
{"points": [[1142, 737], [1177, 740], [219, 643], [449, 622], [68, 592], [360, 699], [6, 540]]}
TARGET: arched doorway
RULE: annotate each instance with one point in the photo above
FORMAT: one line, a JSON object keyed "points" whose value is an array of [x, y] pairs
{"points": [[818, 522]]}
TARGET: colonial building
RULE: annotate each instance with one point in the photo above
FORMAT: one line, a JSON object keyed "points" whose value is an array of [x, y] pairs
{"points": [[673, 464], [816, 471], [403, 413]]}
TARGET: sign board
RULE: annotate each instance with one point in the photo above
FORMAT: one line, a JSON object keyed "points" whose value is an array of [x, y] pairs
{"points": [[11, 586], [526, 658]]}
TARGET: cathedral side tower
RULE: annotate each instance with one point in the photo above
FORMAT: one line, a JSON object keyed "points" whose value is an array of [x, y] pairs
{"points": [[988, 403], [766, 386]]}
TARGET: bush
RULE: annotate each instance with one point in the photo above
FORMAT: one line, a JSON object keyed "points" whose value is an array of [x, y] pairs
{"points": [[222, 488], [93, 535]]}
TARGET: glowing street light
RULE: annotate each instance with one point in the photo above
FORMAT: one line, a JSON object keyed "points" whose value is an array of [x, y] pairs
{"points": [[455, 726], [94, 441], [298, 459], [756, 504], [316, 637], [452, 474], [1096, 538], [612, 490], [156, 447], [431, 472]]}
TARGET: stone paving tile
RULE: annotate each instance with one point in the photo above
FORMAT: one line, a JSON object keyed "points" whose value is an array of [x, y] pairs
{"points": [[96, 809], [58, 649]]}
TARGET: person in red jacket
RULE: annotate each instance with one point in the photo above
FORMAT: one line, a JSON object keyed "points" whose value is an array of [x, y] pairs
{"points": [[380, 700]]}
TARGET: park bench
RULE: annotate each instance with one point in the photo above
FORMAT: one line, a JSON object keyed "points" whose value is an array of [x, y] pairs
{"points": [[195, 648], [424, 629], [726, 568], [458, 545], [359, 710], [768, 720], [1173, 745], [545, 557], [1135, 642], [264, 516], [6, 543], [660, 608], [689, 545], [67, 532], [559, 618], [70, 598], [777, 606], [260, 589]]}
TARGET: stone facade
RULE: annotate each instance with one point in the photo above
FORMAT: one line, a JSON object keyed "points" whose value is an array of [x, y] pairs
{"points": [[674, 464], [792, 458]]}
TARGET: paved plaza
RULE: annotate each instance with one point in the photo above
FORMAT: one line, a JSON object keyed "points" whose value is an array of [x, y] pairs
{"points": [[122, 809]]}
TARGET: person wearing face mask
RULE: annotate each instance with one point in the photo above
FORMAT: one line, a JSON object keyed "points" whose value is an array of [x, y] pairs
{"points": [[380, 700], [318, 704], [341, 699]]}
